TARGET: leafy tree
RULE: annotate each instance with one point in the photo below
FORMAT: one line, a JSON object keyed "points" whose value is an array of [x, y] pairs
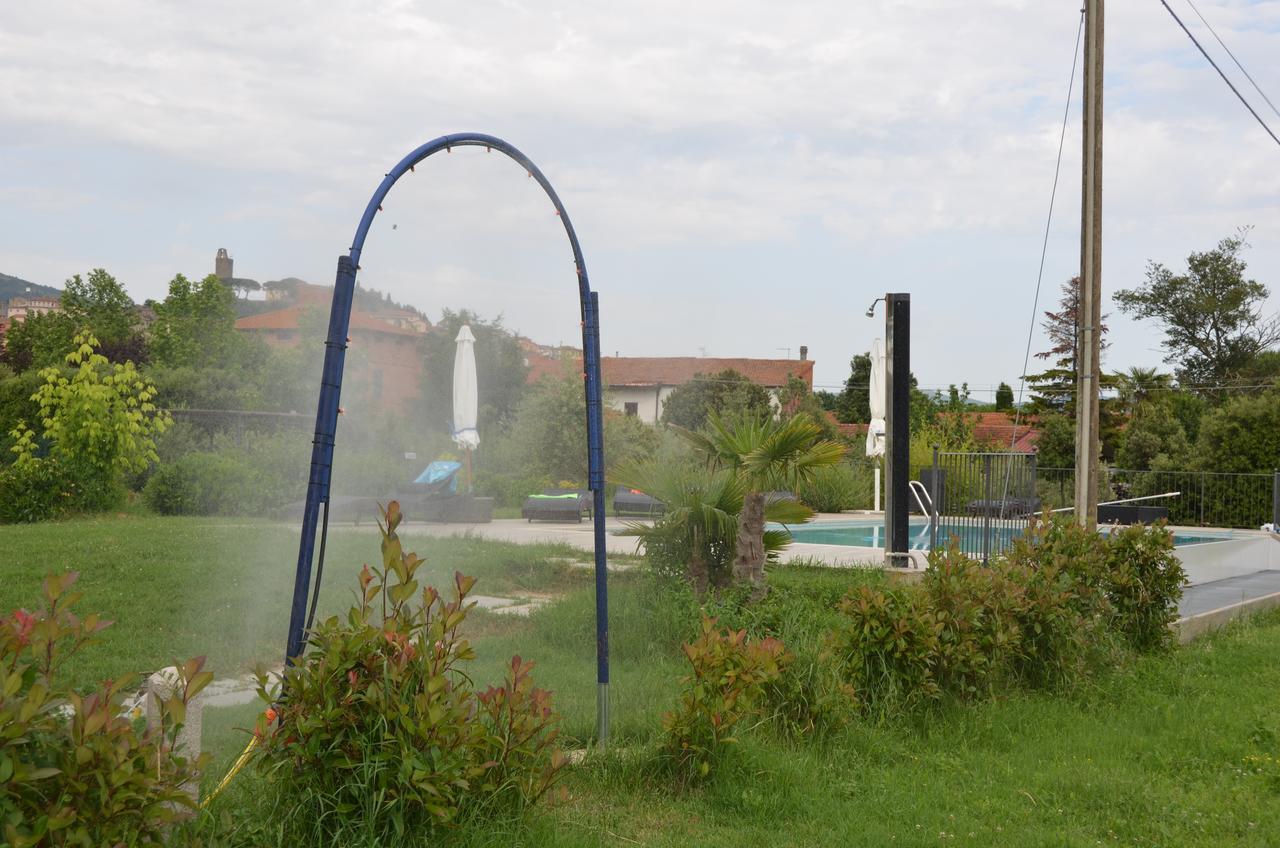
{"points": [[1241, 435], [1138, 385], [196, 326], [728, 393], [500, 366], [854, 404], [99, 304], [765, 455], [39, 341], [1004, 397], [1211, 314], [1055, 388], [795, 398], [100, 421], [1057, 445], [829, 400], [242, 286], [1154, 436]]}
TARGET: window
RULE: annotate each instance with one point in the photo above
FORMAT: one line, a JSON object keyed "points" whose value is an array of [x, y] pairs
{"points": [[631, 408]]}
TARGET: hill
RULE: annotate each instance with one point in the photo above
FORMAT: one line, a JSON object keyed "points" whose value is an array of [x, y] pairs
{"points": [[16, 287]]}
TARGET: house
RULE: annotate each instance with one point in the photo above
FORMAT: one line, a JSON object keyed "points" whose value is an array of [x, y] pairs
{"points": [[20, 307], [640, 385], [384, 359], [996, 429]]}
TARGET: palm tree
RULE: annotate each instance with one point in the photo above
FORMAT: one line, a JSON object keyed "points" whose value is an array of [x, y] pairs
{"points": [[764, 455], [1137, 385], [696, 531]]}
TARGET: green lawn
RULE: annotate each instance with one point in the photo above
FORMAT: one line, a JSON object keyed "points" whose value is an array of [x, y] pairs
{"points": [[1153, 753]]}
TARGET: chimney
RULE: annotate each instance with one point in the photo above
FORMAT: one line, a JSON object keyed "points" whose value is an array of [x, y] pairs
{"points": [[804, 352]]}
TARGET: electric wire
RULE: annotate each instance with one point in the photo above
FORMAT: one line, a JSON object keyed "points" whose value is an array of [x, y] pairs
{"points": [[315, 591], [1224, 46], [1044, 249], [1225, 78]]}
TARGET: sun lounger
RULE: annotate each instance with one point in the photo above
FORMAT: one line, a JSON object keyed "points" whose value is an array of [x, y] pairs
{"points": [[628, 501], [557, 505]]}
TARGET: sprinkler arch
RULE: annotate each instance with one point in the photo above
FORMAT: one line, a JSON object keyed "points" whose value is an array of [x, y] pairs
{"points": [[331, 387]]}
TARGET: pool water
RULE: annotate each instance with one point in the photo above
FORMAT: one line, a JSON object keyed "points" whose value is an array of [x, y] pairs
{"points": [[871, 535]]}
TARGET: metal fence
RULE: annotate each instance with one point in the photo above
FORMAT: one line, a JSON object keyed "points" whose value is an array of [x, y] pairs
{"points": [[980, 502], [1204, 498]]}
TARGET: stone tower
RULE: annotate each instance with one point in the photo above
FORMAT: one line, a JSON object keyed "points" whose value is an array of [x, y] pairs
{"points": [[222, 265]]}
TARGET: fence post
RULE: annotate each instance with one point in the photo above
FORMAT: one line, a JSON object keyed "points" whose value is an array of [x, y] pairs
{"points": [[1202, 476], [934, 494], [986, 511], [1275, 501]]}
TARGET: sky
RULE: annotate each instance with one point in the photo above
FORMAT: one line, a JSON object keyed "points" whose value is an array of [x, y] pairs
{"points": [[745, 177]]}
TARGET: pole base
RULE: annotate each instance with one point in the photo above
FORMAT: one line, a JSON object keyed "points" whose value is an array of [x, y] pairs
{"points": [[602, 715]]}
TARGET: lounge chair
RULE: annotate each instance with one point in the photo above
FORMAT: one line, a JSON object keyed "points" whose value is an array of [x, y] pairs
{"points": [[628, 501], [1128, 514], [557, 505]]}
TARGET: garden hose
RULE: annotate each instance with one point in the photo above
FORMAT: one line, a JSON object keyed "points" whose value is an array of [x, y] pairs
{"points": [[240, 763]]}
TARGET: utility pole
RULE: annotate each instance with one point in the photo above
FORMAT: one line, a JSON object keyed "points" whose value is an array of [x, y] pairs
{"points": [[1088, 342]]}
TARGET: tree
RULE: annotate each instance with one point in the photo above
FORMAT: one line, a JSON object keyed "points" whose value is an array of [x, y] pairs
{"points": [[1154, 436], [38, 341], [100, 422], [1057, 445], [795, 398], [1138, 385], [1211, 314], [854, 403], [196, 326], [500, 365], [727, 393], [100, 305], [765, 455], [1004, 397], [1055, 388], [1242, 435]]}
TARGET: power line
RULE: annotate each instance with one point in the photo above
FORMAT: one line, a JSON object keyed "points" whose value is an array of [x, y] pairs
{"points": [[1249, 76], [1234, 91]]}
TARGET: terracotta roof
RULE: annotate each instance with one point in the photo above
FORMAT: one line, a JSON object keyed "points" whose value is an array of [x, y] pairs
{"points": [[996, 428], [678, 370], [287, 319]]}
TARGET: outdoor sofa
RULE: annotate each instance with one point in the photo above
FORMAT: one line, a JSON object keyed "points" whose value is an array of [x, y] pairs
{"points": [[557, 505], [633, 502]]}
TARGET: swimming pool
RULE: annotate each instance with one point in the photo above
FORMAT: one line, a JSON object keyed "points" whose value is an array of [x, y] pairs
{"points": [[870, 534]]}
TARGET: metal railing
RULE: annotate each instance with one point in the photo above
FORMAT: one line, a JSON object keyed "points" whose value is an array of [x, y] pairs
{"points": [[980, 502], [1206, 499]]}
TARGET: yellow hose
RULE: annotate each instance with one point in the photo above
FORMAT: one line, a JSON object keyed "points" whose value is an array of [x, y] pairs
{"points": [[235, 769]]}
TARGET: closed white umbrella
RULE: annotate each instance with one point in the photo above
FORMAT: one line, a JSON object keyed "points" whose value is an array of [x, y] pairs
{"points": [[875, 431], [466, 399], [876, 397]]}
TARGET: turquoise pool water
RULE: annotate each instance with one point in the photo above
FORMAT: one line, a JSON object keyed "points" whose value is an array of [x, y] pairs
{"points": [[864, 534]]}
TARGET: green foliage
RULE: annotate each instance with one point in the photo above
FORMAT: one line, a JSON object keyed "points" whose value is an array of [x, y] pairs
{"points": [[73, 769], [195, 326], [728, 393], [1154, 436], [853, 404], [886, 646], [730, 673], [39, 341], [383, 724], [1057, 445], [838, 487], [100, 305], [796, 398], [36, 491], [1241, 435], [694, 539], [99, 423], [1004, 397], [1146, 581], [1211, 314], [207, 484]]}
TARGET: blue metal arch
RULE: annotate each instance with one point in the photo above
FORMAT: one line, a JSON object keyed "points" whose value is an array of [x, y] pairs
{"points": [[331, 389]]}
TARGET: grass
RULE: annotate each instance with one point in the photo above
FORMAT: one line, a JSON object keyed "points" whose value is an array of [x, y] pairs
{"points": [[1152, 753]]}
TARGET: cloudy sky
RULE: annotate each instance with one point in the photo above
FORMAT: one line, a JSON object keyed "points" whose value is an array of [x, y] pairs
{"points": [[745, 176]]}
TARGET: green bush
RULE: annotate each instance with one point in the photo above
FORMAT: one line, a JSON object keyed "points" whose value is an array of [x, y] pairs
{"points": [[206, 484], [1145, 586], [383, 732], [37, 490], [730, 673], [886, 645], [836, 488], [73, 769]]}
